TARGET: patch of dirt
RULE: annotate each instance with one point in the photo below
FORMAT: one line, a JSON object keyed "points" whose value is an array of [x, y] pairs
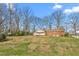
{"points": [[39, 45], [32, 47], [35, 40], [18, 38], [44, 48]]}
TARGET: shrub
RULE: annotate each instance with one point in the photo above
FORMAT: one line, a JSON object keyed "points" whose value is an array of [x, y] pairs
{"points": [[28, 33], [19, 33], [2, 37], [66, 34], [9, 34]]}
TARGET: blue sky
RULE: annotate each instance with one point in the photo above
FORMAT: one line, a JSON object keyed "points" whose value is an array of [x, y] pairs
{"points": [[44, 9]]}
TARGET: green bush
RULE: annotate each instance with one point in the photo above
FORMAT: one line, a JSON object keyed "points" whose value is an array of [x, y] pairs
{"points": [[19, 33], [2, 37], [28, 33], [10, 34], [67, 34]]}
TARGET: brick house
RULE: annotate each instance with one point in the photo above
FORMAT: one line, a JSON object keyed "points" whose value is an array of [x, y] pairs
{"points": [[55, 32]]}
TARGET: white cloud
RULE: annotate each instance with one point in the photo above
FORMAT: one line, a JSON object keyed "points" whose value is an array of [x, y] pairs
{"points": [[72, 10], [75, 9], [57, 6], [67, 11]]}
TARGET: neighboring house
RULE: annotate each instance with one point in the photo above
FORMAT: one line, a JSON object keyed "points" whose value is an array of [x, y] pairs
{"points": [[56, 32], [72, 33], [39, 33], [77, 32]]}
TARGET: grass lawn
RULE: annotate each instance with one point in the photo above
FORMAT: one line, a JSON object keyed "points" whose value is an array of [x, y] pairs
{"points": [[39, 46]]}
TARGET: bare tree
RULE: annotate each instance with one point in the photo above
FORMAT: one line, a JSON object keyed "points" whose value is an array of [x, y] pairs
{"points": [[17, 23], [27, 14], [74, 22], [57, 15], [10, 13], [17, 15], [1, 17], [33, 23], [47, 22], [36, 22]]}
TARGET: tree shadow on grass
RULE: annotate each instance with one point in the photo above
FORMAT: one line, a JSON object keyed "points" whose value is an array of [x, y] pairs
{"points": [[7, 39]]}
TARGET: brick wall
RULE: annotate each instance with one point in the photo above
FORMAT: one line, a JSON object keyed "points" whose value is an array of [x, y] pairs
{"points": [[57, 32]]}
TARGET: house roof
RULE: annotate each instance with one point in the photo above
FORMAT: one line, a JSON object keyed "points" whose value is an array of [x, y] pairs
{"points": [[39, 31]]}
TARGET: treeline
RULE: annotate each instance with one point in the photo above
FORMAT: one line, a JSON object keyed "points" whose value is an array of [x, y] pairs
{"points": [[22, 21]]}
